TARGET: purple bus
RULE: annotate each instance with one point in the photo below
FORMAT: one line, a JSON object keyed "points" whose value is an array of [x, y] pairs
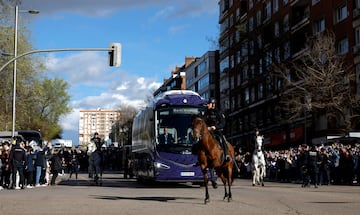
{"points": [[153, 158]]}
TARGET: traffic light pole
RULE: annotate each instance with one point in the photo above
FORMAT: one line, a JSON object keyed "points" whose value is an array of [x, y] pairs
{"points": [[110, 49], [114, 53]]}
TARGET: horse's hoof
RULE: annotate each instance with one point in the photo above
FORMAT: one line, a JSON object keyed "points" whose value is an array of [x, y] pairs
{"points": [[262, 184], [206, 201], [253, 184], [214, 184]]}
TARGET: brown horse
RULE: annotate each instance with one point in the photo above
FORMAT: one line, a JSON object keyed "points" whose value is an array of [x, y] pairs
{"points": [[210, 156]]}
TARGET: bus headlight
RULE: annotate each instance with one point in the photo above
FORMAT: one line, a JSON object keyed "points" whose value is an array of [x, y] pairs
{"points": [[161, 165]]}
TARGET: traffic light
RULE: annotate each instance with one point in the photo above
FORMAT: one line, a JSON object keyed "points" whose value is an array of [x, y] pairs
{"points": [[115, 54]]}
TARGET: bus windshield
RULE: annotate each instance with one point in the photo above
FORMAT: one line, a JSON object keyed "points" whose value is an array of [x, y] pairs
{"points": [[176, 122]]}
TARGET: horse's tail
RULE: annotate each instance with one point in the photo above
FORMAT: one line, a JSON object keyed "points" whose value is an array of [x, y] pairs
{"points": [[231, 154]]}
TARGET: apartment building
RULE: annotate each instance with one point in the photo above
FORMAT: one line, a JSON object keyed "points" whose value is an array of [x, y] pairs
{"points": [[202, 75], [254, 34], [92, 121], [199, 74]]}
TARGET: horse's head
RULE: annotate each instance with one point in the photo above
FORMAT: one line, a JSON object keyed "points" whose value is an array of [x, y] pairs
{"points": [[198, 125], [259, 141]]}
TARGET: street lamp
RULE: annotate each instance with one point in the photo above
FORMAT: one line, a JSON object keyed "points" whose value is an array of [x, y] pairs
{"points": [[15, 55]]}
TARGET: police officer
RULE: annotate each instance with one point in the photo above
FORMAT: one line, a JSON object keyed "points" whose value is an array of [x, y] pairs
{"points": [[216, 123], [314, 161], [97, 140], [98, 143], [17, 158]]}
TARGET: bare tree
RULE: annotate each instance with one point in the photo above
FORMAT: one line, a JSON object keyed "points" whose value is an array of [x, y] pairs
{"points": [[320, 82]]}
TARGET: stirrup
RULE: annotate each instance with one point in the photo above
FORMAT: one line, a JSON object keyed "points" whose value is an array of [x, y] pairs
{"points": [[227, 158]]}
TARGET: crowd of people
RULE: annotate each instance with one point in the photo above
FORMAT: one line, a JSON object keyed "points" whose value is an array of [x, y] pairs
{"points": [[335, 163], [25, 165]]}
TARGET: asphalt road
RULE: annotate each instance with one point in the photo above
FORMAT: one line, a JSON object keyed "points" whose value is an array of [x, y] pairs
{"points": [[124, 196]]}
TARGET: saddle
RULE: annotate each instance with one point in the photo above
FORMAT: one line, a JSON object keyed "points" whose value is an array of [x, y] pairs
{"points": [[222, 142]]}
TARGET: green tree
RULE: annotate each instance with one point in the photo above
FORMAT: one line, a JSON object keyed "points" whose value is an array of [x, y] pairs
{"points": [[50, 102], [40, 102]]}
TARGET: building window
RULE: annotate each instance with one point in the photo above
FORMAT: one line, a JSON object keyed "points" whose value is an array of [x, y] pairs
{"points": [[231, 20], [252, 94], [203, 82], [341, 13], [267, 10], [314, 2], [251, 4], [285, 2], [237, 14], [357, 36], [276, 29], [343, 46], [252, 72], [259, 41], [277, 55], [202, 67], [224, 65], [268, 58], [224, 25], [251, 47], [244, 50], [286, 23], [276, 5], [245, 73], [258, 18], [319, 25], [287, 52], [260, 91], [251, 24], [246, 96]]}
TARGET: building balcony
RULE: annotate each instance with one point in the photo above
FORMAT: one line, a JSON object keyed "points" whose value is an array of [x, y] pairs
{"points": [[294, 3], [356, 13], [300, 22], [356, 49]]}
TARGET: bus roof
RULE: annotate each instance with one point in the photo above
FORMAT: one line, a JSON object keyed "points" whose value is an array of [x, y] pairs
{"points": [[179, 97]]}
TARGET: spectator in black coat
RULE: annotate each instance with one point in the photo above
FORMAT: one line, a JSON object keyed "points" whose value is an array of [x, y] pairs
{"points": [[55, 165], [17, 159]]}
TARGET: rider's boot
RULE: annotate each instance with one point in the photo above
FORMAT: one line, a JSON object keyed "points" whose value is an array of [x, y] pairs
{"points": [[214, 184]]}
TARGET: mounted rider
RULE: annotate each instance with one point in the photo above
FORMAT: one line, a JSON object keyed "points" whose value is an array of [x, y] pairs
{"points": [[216, 123], [257, 135], [94, 147]]}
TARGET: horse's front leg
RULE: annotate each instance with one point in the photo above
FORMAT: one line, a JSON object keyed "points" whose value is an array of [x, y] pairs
{"points": [[263, 174], [206, 180], [253, 176], [213, 182]]}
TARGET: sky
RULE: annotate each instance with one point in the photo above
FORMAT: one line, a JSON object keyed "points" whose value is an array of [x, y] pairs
{"points": [[155, 35]]}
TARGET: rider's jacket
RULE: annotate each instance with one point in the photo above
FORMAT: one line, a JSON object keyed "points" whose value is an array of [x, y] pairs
{"points": [[215, 118], [17, 154], [98, 143]]}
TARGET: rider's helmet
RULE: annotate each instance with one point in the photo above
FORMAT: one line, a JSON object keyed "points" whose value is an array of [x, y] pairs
{"points": [[212, 100]]}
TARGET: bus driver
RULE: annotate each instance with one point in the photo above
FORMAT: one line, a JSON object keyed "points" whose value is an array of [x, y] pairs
{"points": [[166, 137]]}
